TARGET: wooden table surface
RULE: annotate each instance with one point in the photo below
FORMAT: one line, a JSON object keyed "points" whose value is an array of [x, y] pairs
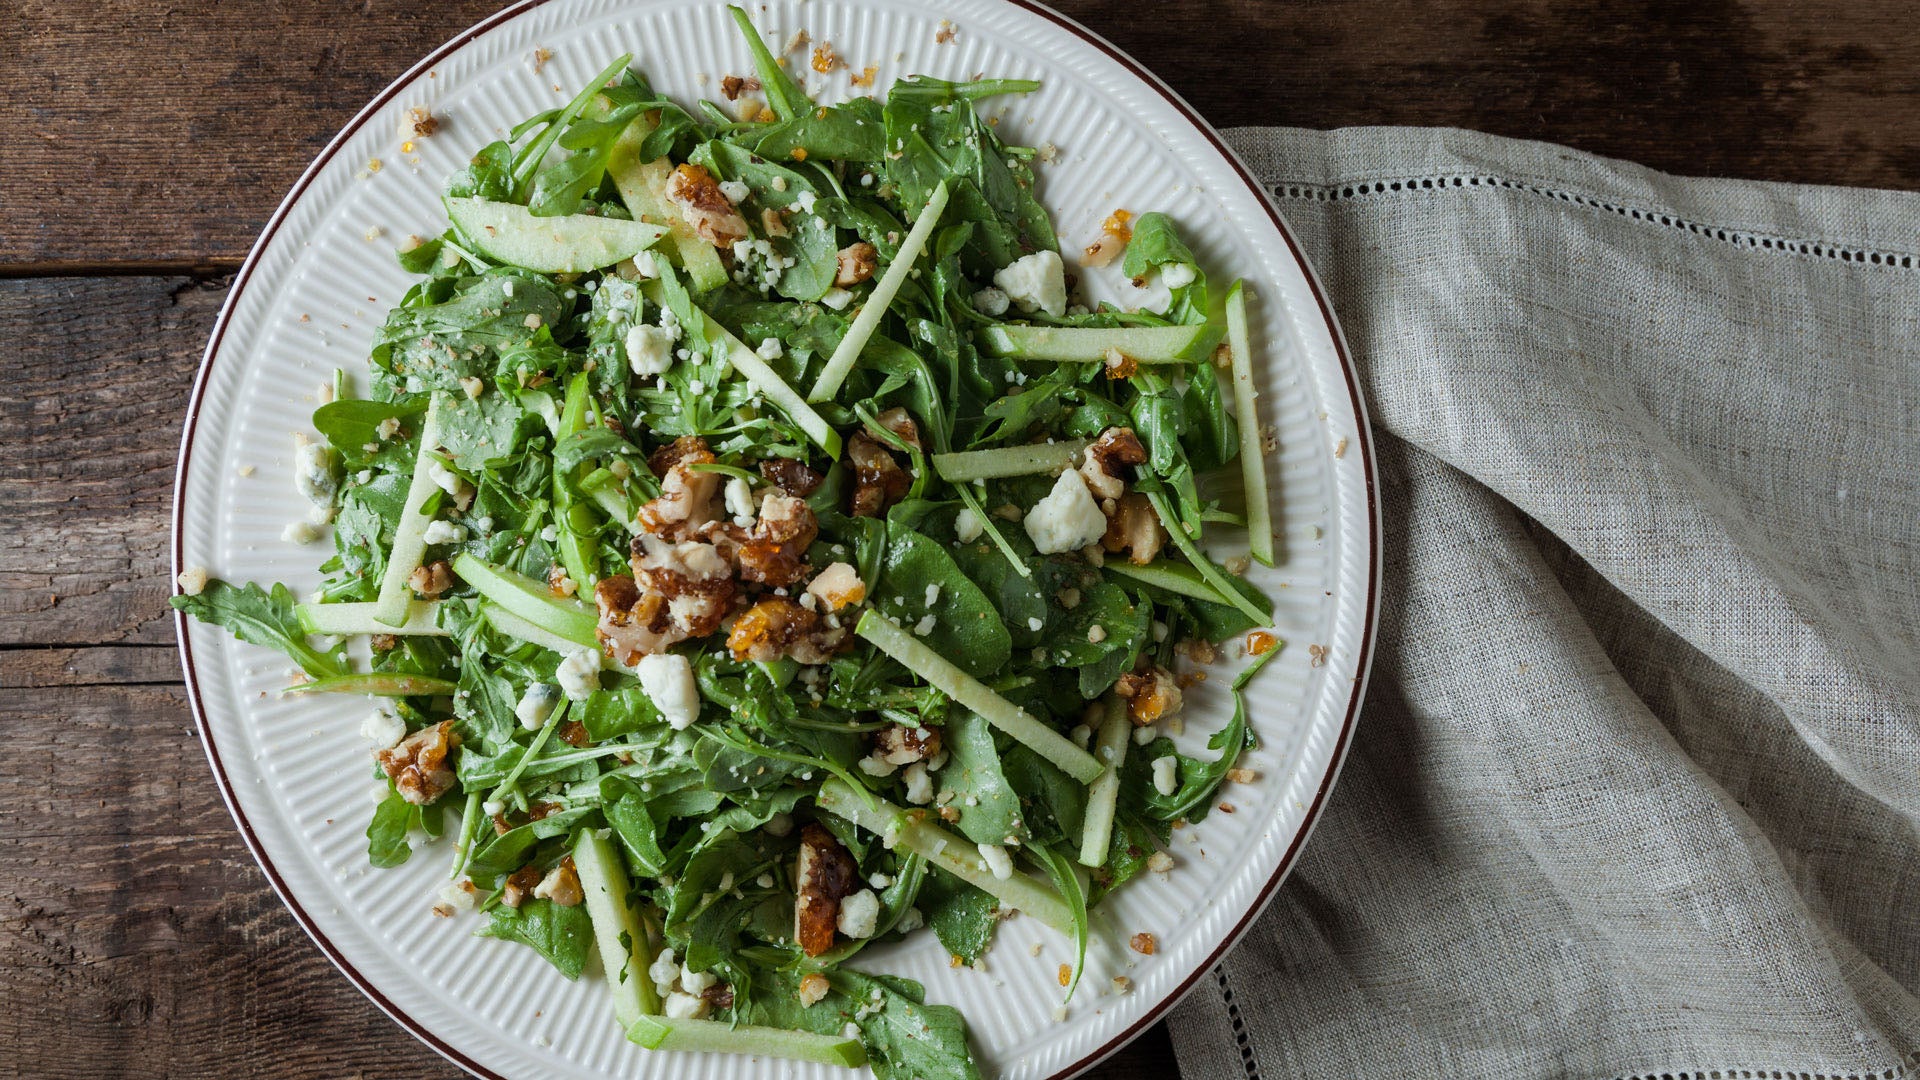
{"points": [[145, 147]]}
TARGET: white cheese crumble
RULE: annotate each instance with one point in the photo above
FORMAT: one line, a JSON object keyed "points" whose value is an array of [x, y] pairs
{"points": [[919, 784], [999, 863], [192, 580], [665, 969], [859, 914], [649, 349], [933, 593], [695, 982], [579, 674], [1035, 624], [910, 920], [681, 1006], [837, 298], [536, 705], [1036, 282], [444, 478], [1067, 519], [925, 625], [443, 532], [667, 680], [740, 500], [736, 191], [1166, 779], [803, 202], [876, 764], [383, 728], [966, 526], [1176, 275], [770, 349], [301, 532]]}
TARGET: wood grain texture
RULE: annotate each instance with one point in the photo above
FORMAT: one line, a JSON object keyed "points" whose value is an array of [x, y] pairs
{"points": [[167, 135], [150, 143]]}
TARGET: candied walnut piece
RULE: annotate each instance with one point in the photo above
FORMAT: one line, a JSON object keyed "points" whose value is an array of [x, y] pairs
{"points": [[678, 591], [856, 263], [520, 884], [823, 875], [1134, 528], [696, 194], [430, 581], [1151, 694], [878, 479], [574, 734], [690, 448], [1109, 462], [902, 745], [730, 87], [686, 496], [775, 550], [813, 987], [1143, 943], [418, 764], [777, 627], [838, 586], [561, 885], [900, 422], [795, 478]]}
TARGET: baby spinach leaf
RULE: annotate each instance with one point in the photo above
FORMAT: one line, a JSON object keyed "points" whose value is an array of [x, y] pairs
{"points": [[387, 833], [352, 423], [963, 917], [482, 431], [989, 809], [561, 934], [961, 623], [1123, 623]]}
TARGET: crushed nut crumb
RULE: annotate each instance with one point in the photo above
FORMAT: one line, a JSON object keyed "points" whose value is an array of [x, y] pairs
{"points": [[1143, 943], [1316, 655]]}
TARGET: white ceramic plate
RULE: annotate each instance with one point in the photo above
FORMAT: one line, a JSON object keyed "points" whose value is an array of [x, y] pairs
{"points": [[320, 280]]}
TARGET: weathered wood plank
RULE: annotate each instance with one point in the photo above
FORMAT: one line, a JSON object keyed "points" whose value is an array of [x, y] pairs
{"points": [[101, 169], [99, 370], [137, 938], [92, 665]]}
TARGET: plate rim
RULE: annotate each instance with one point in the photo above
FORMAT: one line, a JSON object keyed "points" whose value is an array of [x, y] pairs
{"points": [[1363, 438]]}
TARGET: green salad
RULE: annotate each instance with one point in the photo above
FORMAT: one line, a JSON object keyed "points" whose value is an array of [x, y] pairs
{"points": [[754, 554]]}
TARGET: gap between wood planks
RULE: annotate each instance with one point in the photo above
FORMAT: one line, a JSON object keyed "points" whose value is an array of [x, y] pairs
{"points": [[197, 269]]}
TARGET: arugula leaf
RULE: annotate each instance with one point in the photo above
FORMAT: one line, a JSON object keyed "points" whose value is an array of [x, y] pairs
{"points": [[784, 95], [260, 617], [934, 134], [1199, 779]]}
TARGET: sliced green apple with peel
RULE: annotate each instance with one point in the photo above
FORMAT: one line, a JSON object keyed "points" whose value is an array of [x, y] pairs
{"points": [[571, 244]]}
